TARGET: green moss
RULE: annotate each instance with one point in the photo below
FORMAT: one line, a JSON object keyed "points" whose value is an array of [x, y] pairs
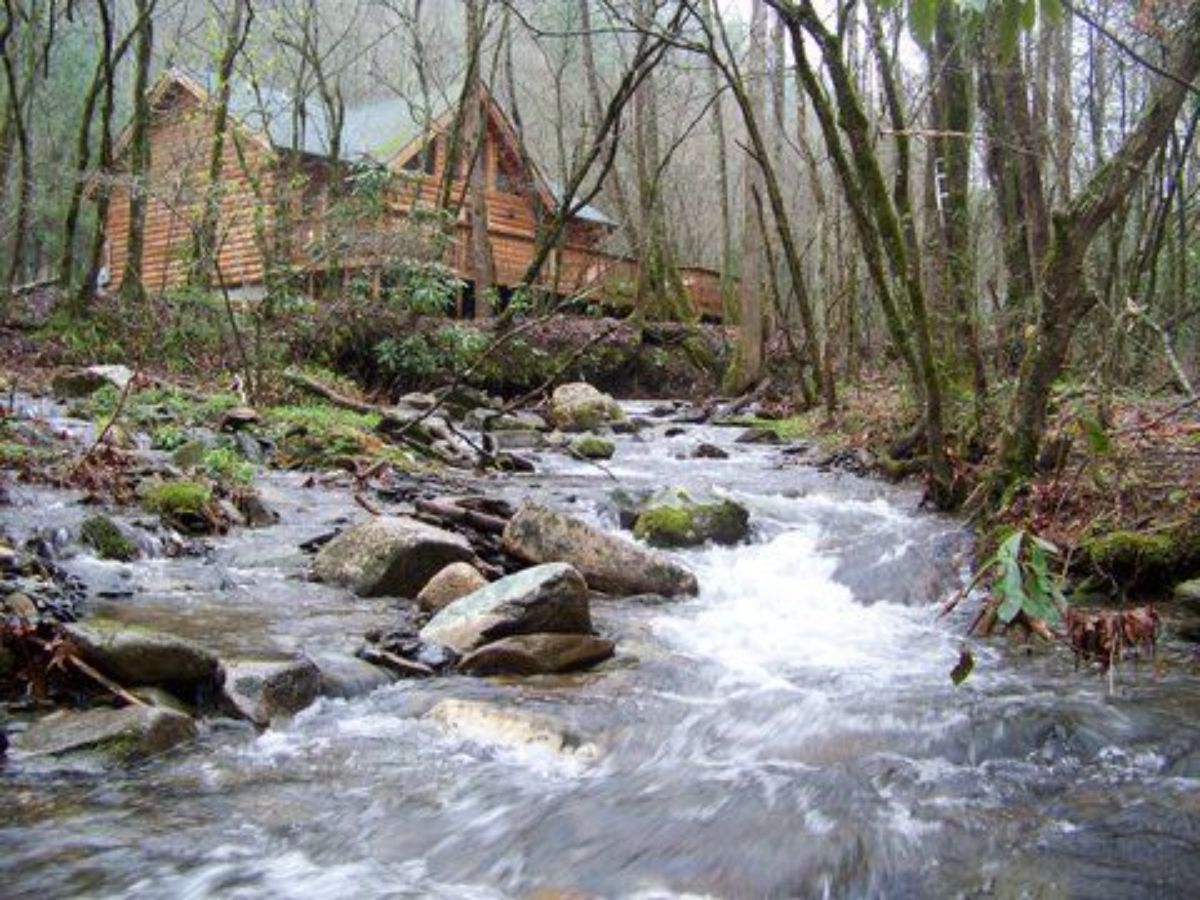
{"points": [[178, 498], [789, 429], [102, 535], [319, 417], [1145, 556], [666, 526], [686, 524], [14, 454], [589, 446]]}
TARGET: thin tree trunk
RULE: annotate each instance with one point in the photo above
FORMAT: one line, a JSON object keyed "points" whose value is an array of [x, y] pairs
{"points": [[133, 289], [205, 246]]}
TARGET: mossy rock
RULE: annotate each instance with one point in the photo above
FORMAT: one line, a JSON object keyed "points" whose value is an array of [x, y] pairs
{"points": [[685, 523], [1145, 557], [186, 506], [106, 538], [592, 447], [190, 455]]}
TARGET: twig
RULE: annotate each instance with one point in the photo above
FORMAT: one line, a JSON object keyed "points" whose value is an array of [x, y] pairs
{"points": [[105, 681], [125, 392]]}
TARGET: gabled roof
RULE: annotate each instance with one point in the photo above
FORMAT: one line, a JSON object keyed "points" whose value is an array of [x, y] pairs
{"points": [[385, 130]]}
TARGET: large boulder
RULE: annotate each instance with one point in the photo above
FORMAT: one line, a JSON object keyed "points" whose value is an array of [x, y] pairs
{"points": [[580, 407], [608, 563], [675, 519], [549, 598], [388, 556], [486, 723], [537, 654], [262, 690], [452, 583], [127, 734], [138, 656], [71, 384]]}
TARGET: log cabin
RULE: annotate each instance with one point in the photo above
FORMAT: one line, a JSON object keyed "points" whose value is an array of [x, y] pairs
{"points": [[278, 177]]}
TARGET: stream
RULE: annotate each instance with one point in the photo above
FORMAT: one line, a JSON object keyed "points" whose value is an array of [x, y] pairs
{"points": [[791, 732]]}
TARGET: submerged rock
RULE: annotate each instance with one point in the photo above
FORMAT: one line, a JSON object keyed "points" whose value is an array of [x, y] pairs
{"points": [[676, 520], [591, 447], [104, 536], [550, 597], [709, 451], [138, 656], [388, 556], [347, 677], [486, 723], [580, 407], [127, 734], [452, 583], [537, 654], [608, 563], [262, 690]]}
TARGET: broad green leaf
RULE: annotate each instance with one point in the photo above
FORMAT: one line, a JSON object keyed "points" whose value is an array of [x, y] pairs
{"points": [[1051, 11], [1029, 14], [1009, 586], [1009, 27], [1097, 438], [922, 15]]}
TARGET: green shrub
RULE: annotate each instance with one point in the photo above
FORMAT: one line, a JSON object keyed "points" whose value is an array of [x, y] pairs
{"points": [[226, 465], [176, 498]]}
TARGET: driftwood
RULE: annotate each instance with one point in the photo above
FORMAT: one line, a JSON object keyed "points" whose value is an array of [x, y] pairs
{"points": [[481, 520]]}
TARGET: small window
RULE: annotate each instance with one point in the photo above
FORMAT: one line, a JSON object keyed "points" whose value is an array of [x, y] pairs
{"points": [[425, 160]]}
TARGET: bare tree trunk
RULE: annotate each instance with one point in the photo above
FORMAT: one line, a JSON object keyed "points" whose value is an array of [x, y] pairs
{"points": [[205, 246], [132, 287], [483, 265], [728, 298], [748, 361]]}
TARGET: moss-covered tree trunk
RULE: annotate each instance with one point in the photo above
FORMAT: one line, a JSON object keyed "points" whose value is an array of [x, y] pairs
{"points": [[1066, 296], [133, 290]]}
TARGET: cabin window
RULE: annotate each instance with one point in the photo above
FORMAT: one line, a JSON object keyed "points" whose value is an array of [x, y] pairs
{"points": [[310, 197], [425, 160]]}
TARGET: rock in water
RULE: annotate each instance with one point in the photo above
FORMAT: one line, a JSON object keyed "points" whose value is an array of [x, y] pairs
{"points": [[580, 407], [129, 734], [676, 520], [454, 582], [348, 676], [484, 723], [388, 556], [262, 690], [137, 656], [607, 562], [537, 654], [550, 598], [104, 536], [71, 384], [591, 447]]}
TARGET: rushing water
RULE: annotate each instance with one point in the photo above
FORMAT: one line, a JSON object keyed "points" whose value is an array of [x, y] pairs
{"points": [[792, 731]]}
